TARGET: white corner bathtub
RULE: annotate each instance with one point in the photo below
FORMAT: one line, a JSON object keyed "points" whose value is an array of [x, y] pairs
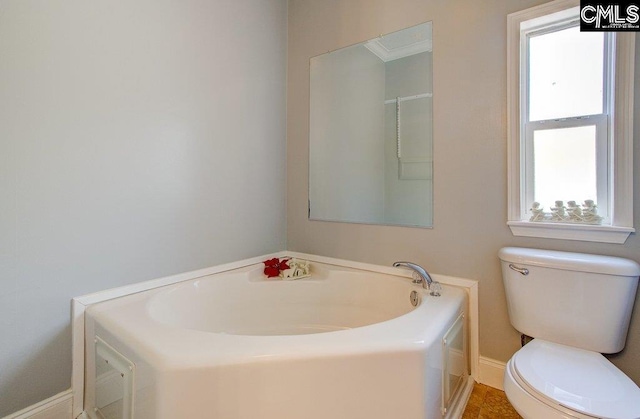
{"points": [[342, 344]]}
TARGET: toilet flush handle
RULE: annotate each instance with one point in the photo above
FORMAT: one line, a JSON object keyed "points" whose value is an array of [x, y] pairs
{"points": [[523, 271]]}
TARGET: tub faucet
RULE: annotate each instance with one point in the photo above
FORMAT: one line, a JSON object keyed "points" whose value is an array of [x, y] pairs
{"points": [[423, 275]]}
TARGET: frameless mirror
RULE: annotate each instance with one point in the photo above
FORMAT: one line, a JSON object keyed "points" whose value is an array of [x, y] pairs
{"points": [[370, 136]]}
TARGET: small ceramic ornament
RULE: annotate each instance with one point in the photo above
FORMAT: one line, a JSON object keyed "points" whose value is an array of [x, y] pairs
{"points": [[558, 212], [297, 269], [590, 212], [537, 212]]}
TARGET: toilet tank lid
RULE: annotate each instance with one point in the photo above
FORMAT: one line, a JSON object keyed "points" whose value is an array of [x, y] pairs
{"points": [[580, 262]]}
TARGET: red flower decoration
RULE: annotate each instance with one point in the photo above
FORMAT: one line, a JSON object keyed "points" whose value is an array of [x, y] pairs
{"points": [[272, 267], [272, 262], [271, 271]]}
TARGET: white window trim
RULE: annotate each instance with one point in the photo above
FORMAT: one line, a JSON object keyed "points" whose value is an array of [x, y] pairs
{"points": [[621, 179]]}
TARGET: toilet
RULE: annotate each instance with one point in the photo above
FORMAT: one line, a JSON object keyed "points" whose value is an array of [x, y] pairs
{"points": [[576, 307]]}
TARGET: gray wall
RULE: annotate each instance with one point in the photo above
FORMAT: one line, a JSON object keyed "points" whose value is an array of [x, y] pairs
{"points": [[138, 139], [470, 146]]}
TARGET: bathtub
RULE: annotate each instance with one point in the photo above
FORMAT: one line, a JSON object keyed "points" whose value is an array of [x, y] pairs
{"points": [[342, 344]]}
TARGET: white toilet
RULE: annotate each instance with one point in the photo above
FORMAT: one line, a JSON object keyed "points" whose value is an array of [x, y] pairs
{"points": [[576, 306]]}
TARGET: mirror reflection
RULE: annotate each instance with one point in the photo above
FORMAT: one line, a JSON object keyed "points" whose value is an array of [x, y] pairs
{"points": [[371, 131]]}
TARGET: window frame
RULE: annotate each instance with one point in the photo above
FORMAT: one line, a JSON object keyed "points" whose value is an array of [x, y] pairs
{"points": [[616, 152]]}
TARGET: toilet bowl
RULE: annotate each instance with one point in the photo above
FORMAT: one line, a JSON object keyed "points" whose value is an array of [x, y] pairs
{"points": [[576, 307], [549, 380]]}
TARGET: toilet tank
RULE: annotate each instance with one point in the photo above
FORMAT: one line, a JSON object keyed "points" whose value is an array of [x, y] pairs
{"points": [[574, 299]]}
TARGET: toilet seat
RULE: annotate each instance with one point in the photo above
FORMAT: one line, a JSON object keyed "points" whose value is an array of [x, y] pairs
{"points": [[574, 381]]}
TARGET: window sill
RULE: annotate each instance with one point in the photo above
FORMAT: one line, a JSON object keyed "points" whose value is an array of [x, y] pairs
{"points": [[582, 232]]}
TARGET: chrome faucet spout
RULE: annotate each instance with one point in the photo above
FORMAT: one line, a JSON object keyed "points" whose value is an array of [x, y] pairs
{"points": [[425, 278]]}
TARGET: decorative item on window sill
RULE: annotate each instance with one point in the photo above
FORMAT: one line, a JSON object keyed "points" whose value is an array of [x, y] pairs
{"points": [[286, 268], [572, 213]]}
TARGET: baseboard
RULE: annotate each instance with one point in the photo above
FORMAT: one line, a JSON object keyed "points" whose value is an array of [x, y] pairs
{"points": [[491, 372], [56, 407]]}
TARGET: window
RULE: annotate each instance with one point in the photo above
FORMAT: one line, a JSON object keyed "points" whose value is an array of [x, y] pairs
{"points": [[570, 98]]}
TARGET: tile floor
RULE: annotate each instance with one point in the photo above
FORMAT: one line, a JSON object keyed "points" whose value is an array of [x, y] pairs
{"points": [[488, 403]]}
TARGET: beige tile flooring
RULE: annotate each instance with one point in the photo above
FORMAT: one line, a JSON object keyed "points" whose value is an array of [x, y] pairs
{"points": [[488, 403]]}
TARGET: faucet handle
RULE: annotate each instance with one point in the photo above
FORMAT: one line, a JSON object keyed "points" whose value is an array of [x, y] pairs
{"points": [[436, 289], [417, 279]]}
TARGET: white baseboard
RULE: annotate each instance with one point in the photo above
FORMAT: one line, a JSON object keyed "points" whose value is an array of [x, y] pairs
{"points": [[56, 407], [491, 372]]}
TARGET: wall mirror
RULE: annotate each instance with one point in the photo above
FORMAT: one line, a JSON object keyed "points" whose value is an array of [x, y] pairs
{"points": [[371, 135]]}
